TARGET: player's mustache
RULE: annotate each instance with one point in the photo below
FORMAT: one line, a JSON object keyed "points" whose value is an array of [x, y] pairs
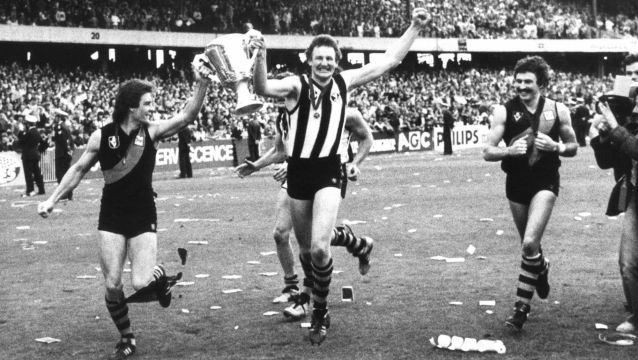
{"points": [[524, 91]]}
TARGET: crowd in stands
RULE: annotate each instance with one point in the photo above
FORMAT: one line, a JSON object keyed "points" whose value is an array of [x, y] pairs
{"points": [[485, 19], [399, 101]]}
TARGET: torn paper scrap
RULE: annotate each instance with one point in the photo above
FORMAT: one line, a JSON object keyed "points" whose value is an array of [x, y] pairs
{"points": [[600, 326], [47, 340], [487, 302], [486, 219], [455, 260], [271, 313], [185, 283], [202, 276], [253, 262], [215, 307], [456, 302], [186, 311], [438, 258], [230, 291], [269, 273], [353, 222], [412, 230], [267, 253], [86, 277], [470, 249], [499, 232], [198, 242]]}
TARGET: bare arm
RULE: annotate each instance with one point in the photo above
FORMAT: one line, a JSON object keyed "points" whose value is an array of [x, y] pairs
{"points": [[493, 152], [361, 132], [392, 57], [73, 176], [285, 88], [273, 155]]}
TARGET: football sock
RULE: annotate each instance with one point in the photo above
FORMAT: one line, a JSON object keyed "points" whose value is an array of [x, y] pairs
{"points": [[352, 243], [291, 282], [149, 292], [531, 267], [306, 265], [118, 310], [323, 276], [129, 338]]}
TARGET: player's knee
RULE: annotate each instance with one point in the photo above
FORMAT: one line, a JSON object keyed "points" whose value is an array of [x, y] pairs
{"points": [[319, 254], [139, 282], [113, 285], [280, 235]]}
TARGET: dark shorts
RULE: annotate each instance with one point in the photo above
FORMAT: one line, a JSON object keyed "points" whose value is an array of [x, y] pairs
{"points": [[306, 177], [128, 224], [344, 182], [522, 188]]}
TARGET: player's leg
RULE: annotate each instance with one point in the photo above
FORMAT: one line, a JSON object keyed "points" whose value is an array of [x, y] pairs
{"points": [[112, 256], [628, 261], [324, 216], [148, 279], [359, 246], [301, 215], [533, 263], [281, 234]]}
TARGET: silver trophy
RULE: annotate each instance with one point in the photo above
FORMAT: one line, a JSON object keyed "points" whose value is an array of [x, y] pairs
{"points": [[230, 56]]}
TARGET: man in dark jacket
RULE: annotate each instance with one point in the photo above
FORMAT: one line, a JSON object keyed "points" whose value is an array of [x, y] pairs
{"points": [[184, 138], [254, 138], [617, 147], [63, 147], [29, 140]]}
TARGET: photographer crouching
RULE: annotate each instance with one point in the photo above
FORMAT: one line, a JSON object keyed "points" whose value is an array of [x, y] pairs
{"points": [[615, 145]]}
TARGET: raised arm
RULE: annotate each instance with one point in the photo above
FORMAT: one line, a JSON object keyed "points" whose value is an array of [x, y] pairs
{"points": [[392, 57], [73, 176], [168, 128], [284, 88], [493, 152]]}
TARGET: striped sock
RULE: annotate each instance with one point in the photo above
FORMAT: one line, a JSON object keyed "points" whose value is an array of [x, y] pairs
{"points": [[129, 338], [291, 282], [119, 313], [323, 276], [343, 237], [530, 268], [306, 265], [149, 292]]}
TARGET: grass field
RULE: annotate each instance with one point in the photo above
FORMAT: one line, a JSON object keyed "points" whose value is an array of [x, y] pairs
{"points": [[418, 204]]}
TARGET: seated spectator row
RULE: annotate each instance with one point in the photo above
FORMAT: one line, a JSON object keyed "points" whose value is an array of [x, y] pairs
{"points": [[398, 101], [484, 19]]}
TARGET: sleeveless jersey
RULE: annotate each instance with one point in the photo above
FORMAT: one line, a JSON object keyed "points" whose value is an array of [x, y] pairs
{"points": [[520, 121], [127, 162], [313, 128]]}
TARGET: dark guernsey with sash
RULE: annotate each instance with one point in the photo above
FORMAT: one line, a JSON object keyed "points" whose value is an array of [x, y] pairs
{"points": [[127, 162]]}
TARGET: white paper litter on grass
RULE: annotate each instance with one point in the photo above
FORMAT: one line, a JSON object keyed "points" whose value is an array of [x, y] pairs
{"points": [[267, 253], [20, 239], [612, 217], [215, 307], [455, 260], [398, 255], [86, 277], [236, 327], [186, 311], [387, 208], [578, 218], [272, 273], [47, 340], [304, 324], [230, 291], [600, 326], [584, 214], [487, 302], [456, 303], [253, 262], [500, 232], [471, 249], [57, 211], [468, 344], [397, 205], [271, 313], [161, 230], [230, 277], [337, 271], [23, 227], [202, 276], [469, 180], [486, 219], [378, 167], [489, 312], [412, 230], [39, 242], [416, 186], [184, 283], [353, 222], [437, 216], [446, 181], [204, 242], [384, 218], [127, 270], [438, 258]]}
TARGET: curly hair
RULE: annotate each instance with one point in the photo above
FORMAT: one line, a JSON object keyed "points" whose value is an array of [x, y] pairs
{"points": [[128, 97], [536, 65], [323, 40]]}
